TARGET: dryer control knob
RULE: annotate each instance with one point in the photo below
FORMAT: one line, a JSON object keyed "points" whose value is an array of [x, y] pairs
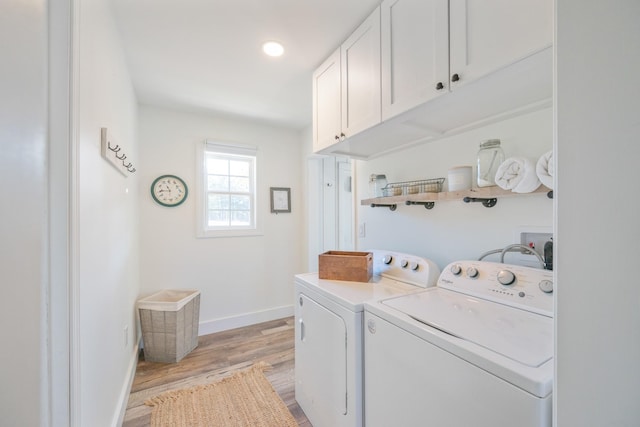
{"points": [[506, 277], [414, 265], [404, 263], [546, 286], [456, 269], [387, 259], [472, 272]]}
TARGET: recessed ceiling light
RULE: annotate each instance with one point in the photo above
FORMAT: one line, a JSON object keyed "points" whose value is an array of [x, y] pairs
{"points": [[273, 49]]}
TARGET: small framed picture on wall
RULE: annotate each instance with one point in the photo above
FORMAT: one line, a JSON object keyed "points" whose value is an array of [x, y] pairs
{"points": [[280, 200]]}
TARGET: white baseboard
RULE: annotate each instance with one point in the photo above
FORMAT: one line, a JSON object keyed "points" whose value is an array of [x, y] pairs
{"points": [[126, 389], [224, 324]]}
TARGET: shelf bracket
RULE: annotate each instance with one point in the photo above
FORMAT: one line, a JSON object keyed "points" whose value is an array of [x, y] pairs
{"points": [[427, 205], [392, 207], [487, 203]]}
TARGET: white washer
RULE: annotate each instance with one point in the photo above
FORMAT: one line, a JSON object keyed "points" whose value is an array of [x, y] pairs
{"points": [[474, 351], [329, 334]]}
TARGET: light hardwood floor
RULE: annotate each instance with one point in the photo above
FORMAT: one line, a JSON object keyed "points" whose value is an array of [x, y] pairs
{"points": [[216, 356]]}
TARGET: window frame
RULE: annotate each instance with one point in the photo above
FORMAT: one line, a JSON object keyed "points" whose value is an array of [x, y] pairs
{"points": [[226, 149]]}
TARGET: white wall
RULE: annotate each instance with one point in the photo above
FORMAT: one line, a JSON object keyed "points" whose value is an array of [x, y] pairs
{"points": [[597, 220], [454, 230], [242, 280], [23, 167], [105, 222]]}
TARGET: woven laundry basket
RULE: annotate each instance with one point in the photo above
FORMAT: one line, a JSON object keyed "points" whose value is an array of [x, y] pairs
{"points": [[169, 320]]}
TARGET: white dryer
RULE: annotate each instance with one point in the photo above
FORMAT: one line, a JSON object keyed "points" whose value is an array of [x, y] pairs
{"points": [[329, 334], [477, 350]]}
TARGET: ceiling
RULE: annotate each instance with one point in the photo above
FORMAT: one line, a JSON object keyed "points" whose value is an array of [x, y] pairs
{"points": [[205, 55]]}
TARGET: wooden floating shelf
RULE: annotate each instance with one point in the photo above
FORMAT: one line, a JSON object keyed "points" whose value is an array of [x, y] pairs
{"points": [[476, 193]]}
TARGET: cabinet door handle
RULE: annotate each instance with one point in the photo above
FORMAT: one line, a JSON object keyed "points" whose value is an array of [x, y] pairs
{"points": [[337, 138], [342, 135], [439, 86], [455, 78]]}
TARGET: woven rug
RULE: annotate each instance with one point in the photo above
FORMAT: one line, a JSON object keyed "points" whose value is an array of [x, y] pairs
{"points": [[246, 398]]}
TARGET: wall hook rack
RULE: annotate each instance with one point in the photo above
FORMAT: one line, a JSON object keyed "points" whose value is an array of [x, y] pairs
{"points": [[427, 205], [391, 207], [487, 203], [113, 154]]}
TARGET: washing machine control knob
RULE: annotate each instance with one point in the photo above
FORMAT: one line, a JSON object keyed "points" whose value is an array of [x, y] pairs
{"points": [[456, 269], [404, 263], [546, 286], [414, 266], [506, 277], [387, 259], [472, 272]]}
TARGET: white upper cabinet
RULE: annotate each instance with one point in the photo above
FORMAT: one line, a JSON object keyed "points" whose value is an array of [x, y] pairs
{"points": [[415, 53], [488, 34], [346, 87], [360, 62], [326, 103], [423, 69]]}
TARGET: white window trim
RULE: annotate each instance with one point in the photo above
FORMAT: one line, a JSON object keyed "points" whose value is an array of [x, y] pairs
{"points": [[201, 185]]}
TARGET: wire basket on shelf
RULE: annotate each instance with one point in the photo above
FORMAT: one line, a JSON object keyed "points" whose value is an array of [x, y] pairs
{"points": [[413, 187]]}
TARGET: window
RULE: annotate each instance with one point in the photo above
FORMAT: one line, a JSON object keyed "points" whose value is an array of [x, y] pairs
{"points": [[228, 190]]}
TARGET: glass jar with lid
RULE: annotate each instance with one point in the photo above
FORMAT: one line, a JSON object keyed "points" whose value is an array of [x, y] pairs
{"points": [[490, 157], [376, 183]]}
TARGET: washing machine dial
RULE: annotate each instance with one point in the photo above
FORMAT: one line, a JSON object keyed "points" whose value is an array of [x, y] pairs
{"points": [[404, 263], [387, 259], [546, 286], [456, 269], [473, 272], [506, 277], [413, 265]]}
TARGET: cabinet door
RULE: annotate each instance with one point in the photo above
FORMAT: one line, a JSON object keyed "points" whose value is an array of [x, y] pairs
{"points": [[360, 61], [415, 53], [326, 102], [489, 34]]}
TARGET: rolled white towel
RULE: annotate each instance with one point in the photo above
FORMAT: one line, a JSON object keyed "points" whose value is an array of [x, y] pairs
{"points": [[517, 174], [545, 169]]}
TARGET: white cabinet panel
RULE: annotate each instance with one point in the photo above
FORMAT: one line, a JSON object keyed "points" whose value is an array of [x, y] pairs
{"points": [[414, 53], [326, 103], [360, 62], [489, 34]]}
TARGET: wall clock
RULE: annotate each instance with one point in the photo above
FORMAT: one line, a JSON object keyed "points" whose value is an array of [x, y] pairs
{"points": [[169, 190]]}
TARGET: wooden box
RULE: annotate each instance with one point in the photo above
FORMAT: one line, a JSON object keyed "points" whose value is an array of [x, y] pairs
{"points": [[342, 265]]}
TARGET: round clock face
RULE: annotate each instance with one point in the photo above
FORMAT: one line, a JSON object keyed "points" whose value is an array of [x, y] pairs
{"points": [[169, 190]]}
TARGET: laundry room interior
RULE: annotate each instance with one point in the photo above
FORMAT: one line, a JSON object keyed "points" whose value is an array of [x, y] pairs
{"points": [[134, 106]]}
